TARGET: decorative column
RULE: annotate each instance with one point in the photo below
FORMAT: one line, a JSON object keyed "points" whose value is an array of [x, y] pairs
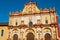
{"points": [[9, 36], [21, 35], [55, 33], [39, 33]]}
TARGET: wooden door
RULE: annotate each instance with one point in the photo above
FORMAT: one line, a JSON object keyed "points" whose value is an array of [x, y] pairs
{"points": [[15, 37], [30, 36], [47, 36]]}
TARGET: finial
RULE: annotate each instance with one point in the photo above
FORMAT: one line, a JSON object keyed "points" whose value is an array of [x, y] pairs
{"points": [[17, 11]]}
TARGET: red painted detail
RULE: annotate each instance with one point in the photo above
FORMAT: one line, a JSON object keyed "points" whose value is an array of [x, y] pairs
{"points": [[56, 19], [59, 31]]}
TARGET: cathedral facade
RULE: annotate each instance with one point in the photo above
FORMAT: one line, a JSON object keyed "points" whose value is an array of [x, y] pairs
{"points": [[31, 23]]}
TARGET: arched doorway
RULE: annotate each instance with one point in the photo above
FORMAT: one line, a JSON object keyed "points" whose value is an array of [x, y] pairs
{"points": [[47, 36], [30, 36], [15, 37]]}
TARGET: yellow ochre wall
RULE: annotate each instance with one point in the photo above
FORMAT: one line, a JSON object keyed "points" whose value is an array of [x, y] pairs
{"points": [[5, 34]]}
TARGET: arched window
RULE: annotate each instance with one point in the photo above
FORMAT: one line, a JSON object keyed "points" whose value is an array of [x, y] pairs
{"points": [[30, 24], [16, 23], [46, 21], [2, 32]]}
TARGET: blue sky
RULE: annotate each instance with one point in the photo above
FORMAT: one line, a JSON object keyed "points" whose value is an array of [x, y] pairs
{"points": [[13, 5]]}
